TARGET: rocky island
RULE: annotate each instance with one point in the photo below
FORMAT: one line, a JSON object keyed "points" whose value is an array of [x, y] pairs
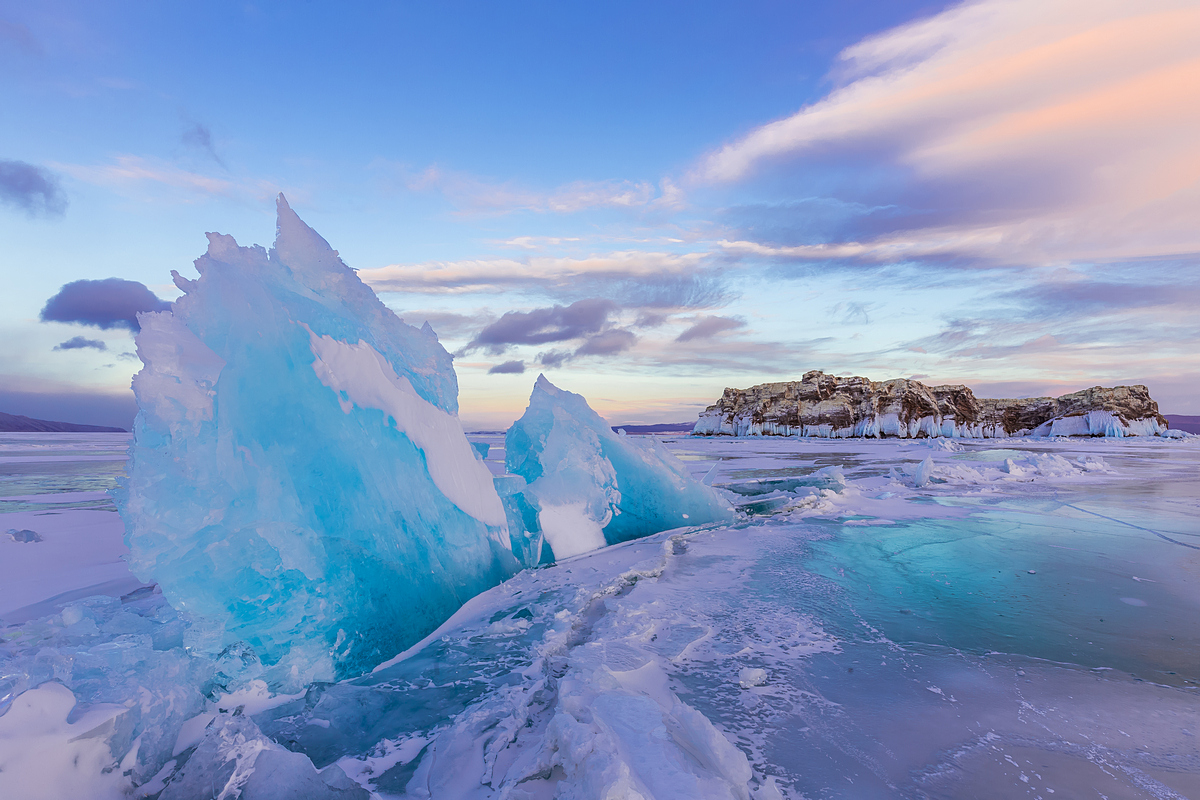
{"points": [[827, 406]]}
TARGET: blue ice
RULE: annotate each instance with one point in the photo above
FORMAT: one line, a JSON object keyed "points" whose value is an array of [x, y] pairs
{"points": [[588, 487], [299, 482]]}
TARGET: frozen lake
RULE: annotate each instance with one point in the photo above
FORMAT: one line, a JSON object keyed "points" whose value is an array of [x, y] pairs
{"points": [[1011, 618]]}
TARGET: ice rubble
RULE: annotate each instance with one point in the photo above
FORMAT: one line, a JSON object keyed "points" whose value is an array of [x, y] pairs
{"points": [[122, 655], [586, 486], [45, 755], [564, 683], [885, 499], [299, 481]]}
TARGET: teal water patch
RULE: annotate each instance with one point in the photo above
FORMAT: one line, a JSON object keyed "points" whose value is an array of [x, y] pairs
{"points": [[14, 506], [48, 477], [1045, 581]]}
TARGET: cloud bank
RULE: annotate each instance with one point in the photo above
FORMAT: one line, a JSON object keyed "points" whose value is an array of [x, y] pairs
{"points": [[1018, 131]]}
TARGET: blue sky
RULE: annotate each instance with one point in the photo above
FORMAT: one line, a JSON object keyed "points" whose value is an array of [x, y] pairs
{"points": [[664, 199]]}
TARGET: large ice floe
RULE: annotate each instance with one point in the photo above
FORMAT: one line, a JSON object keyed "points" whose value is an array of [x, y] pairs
{"points": [[586, 486], [299, 481]]}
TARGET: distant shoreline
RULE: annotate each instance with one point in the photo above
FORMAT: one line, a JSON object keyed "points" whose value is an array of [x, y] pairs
{"points": [[17, 423]]}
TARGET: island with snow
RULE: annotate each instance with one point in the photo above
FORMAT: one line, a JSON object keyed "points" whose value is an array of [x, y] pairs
{"points": [[830, 407]]}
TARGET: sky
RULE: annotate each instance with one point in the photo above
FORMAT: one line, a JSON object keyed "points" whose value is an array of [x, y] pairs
{"points": [[646, 202]]}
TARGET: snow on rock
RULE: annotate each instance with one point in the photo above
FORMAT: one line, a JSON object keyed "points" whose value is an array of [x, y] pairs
{"points": [[299, 483], [587, 486]]}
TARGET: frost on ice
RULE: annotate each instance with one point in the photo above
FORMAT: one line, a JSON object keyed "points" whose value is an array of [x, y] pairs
{"points": [[588, 487], [299, 481]]}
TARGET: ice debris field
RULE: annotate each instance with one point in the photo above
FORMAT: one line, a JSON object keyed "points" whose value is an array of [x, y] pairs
{"points": [[300, 578]]}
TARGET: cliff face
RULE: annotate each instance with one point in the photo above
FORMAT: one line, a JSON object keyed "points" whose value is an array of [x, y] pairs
{"points": [[827, 406]]}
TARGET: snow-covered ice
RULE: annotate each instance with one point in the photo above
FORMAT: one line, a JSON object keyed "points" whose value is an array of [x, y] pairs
{"points": [[1028, 611]]}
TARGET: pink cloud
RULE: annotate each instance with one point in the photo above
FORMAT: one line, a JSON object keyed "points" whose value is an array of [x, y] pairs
{"points": [[1080, 118]]}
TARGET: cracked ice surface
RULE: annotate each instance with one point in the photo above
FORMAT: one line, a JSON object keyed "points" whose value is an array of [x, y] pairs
{"points": [[844, 653]]}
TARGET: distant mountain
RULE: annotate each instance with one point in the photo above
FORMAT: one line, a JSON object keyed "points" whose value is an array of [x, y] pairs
{"points": [[15, 423], [1184, 423], [664, 427]]}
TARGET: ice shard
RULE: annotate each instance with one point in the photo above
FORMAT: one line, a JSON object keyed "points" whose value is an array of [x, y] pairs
{"points": [[299, 482], [588, 487]]}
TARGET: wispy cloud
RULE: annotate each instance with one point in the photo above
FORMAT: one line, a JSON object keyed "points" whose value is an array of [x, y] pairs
{"points": [[538, 242], [475, 195], [141, 176], [631, 277]]}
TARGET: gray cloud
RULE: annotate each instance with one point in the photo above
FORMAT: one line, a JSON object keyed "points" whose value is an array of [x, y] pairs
{"points": [[544, 325], [708, 327], [608, 343], [32, 189], [108, 303], [700, 290], [552, 359], [508, 368], [78, 343]]}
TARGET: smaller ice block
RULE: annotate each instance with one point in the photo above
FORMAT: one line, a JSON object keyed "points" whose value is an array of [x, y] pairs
{"points": [[588, 487]]}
